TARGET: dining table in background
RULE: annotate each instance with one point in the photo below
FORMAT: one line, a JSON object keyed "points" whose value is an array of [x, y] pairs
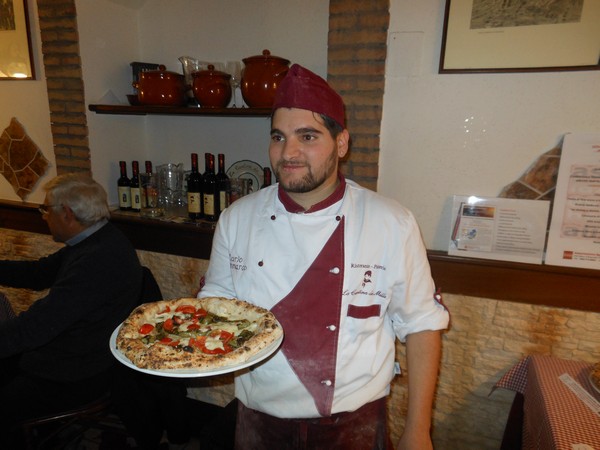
{"points": [[560, 406]]}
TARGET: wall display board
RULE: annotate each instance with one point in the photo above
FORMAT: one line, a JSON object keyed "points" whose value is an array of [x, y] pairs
{"points": [[499, 228], [574, 238]]}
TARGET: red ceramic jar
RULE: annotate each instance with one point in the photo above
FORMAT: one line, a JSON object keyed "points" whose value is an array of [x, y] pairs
{"points": [[261, 77], [161, 88], [212, 88]]}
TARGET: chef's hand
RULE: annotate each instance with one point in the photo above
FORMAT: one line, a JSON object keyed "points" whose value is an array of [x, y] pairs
{"points": [[415, 441]]}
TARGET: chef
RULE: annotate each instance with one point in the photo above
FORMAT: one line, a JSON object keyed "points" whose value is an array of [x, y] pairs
{"points": [[345, 272]]}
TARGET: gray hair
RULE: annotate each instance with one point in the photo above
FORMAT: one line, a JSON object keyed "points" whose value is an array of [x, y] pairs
{"points": [[84, 196]]}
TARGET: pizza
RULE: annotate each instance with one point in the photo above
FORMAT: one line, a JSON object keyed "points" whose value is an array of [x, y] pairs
{"points": [[191, 333]]}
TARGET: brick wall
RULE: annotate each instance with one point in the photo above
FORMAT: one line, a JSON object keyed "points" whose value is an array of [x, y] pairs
{"points": [[62, 65], [356, 68]]}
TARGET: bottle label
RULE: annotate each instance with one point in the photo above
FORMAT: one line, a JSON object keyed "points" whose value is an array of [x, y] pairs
{"points": [[194, 205], [136, 199], [223, 200], [209, 205], [124, 197]]}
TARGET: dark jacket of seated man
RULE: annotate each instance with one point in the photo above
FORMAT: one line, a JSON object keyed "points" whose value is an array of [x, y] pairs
{"points": [[59, 348]]}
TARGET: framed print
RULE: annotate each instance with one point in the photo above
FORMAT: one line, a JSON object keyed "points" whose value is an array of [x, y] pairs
{"points": [[16, 61], [520, 36]]}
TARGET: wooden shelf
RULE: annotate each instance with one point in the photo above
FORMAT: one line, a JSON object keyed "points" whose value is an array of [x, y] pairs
{"points": [[554, 286], [179, 111], [536, 284], [192, 240]]}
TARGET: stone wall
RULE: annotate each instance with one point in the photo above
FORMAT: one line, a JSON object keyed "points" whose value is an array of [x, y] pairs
{"points": [[486, 338]]}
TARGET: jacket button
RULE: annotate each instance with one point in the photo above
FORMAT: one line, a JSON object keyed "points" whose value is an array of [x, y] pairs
{"points": [[338, 218], [335, 270], [273, 217], [260, 263], [326, 382], [331, 327]]}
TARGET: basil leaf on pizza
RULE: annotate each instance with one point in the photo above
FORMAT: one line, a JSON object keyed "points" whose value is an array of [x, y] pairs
{"points": [[191, 333]]}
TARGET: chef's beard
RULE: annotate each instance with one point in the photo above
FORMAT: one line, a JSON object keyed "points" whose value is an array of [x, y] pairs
{"points": [[311, 180]]}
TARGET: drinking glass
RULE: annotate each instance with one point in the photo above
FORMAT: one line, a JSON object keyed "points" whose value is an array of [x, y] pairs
{"points": [[239, 188], [234, 68], [150, 186]]}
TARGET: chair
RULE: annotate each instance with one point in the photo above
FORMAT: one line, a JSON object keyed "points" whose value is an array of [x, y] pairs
{"points": [[97, 414], [94, 415]]}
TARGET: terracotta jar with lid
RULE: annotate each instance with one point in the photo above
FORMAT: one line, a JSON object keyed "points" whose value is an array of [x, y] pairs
{"points": [[261, 77], [212, 88], [160, 88]]}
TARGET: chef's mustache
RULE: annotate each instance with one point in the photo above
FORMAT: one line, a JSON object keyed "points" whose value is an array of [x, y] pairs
{"points": [[294, 163]]}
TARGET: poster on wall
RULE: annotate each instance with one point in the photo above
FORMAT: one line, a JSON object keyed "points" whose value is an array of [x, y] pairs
{"points": [[574, 238], [499, 228]]}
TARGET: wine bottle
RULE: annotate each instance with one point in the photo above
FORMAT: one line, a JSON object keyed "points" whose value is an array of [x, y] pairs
{"points": [[136, 198], [223, 183], [194, 190], [143, 187], [124, 188], [210, 190], [266, 177]]}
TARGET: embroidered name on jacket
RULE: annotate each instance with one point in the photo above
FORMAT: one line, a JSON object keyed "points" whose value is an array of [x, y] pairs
{"points": [[237, 263]]}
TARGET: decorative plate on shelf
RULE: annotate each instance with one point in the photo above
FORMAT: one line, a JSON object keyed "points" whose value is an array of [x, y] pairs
{"points": [[247, 169]]}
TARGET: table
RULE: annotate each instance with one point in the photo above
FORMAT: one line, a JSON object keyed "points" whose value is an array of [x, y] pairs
{"points": [[554, 417]]}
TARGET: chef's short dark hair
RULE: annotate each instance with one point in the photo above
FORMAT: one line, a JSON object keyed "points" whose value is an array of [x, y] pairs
{"points": [[332, 126]]}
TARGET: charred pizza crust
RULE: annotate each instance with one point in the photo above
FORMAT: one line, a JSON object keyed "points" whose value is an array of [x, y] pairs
{"points": [[147, 353]]}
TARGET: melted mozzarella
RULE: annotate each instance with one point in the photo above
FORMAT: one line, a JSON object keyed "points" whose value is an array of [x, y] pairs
{"points": [[212, 343]]}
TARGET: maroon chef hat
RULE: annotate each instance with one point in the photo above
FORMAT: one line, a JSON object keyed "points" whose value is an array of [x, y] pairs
{"points": [[303, 89]]}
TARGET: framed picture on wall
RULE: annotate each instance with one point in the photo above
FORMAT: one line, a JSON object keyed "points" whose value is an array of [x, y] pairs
{"points": [[520, 36], [16, 61]]}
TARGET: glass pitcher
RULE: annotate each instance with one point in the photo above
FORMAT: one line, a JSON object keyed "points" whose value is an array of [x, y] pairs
{"points": [[171, 189], [191, 65]]}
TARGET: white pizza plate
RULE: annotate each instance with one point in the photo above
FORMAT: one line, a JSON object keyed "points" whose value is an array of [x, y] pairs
{"points": [[247, 169], [193, 373]]}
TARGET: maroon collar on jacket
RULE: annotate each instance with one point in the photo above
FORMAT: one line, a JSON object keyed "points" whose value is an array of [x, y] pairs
{"points": [[293, 207]]}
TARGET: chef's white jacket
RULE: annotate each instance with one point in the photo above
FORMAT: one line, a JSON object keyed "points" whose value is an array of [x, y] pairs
{"points": [[344, 281]]}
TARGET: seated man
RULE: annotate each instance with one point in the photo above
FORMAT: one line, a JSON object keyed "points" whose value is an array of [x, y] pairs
{"points": [[56, 355]]}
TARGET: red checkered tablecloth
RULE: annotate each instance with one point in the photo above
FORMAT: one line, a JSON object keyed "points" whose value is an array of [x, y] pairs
{"points": [[554, 416]]}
